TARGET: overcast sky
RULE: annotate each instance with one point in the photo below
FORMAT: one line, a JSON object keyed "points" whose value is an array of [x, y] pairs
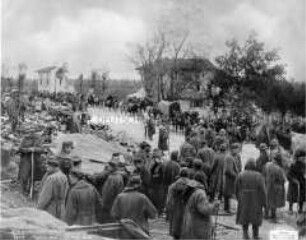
{"points": [[91, 34]]}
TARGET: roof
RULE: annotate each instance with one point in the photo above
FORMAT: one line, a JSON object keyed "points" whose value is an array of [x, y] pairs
{"points": [[141, 93], [46, 69]]}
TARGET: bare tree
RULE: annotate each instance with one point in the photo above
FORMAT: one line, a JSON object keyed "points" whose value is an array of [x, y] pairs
{"points": [[148, 58]]}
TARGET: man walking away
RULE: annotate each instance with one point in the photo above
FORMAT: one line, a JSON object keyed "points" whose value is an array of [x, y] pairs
{"points": [[251, 195], [197, 217], [144, 174], [230, 173], [156, 171], [216, 174], [113, 185], [174, 204], [83, 201], [275, 182], [297, 181], [133, 205]]}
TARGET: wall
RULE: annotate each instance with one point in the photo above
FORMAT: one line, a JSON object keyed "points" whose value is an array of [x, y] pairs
{"points": [[47, 81]]}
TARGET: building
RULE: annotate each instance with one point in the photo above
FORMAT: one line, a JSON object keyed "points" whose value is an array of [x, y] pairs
{"points": [[54, 80], [180, 79]]}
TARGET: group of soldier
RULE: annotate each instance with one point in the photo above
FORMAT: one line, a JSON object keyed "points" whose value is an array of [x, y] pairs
{"points": [[187, 188]]}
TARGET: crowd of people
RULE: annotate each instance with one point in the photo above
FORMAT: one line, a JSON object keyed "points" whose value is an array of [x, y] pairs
{"points": [[186, 189]]}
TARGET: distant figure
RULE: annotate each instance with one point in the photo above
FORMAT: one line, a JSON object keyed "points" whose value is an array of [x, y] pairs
{"points": [[263, 158], [151, 127], [163, 143]]}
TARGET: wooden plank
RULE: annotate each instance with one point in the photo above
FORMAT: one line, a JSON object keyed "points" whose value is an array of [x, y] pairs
{"points": [[228, 226], [93, 227]]}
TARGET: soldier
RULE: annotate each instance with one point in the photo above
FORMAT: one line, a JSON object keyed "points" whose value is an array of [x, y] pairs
{"points": [[83, 201], [144, 174], [171, 170], [198, 211], [263, 157], [232, 167], [53, 192], [297, 181], [151, 127], [251, 195], [156, 172], [113, 185], [134, 205], [163, 138], [275, 183], [216, 174], [174, 203], [187, 150]]}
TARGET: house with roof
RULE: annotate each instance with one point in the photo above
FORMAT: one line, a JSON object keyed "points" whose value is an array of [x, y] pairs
{"points": [[54, 79], [180, 79]]}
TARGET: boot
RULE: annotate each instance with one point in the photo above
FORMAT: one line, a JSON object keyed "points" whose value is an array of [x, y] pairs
{"points": [[245, 232], [290, 208], [300, 210], [256, 232], [227, 204], [273, 215]]}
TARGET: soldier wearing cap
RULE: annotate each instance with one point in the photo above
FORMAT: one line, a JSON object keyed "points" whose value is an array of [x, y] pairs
{"points": [[156, 172], [53, 192], [263, 157], [174, 203], [275, 183], [216, 173], [82, 202], [297, 181], [251, 196], [144, 174], [171, 169], [232, 167], [134, 205], [112, 186]]}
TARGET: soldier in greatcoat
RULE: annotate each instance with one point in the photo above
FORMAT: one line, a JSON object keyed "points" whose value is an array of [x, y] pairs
{"points": [[275, 183], [232, 167], [197, 222], [82, 201], [216, 174], [297, 181], [174, 204], [134, 205], [53, 192], [251, 196]]}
